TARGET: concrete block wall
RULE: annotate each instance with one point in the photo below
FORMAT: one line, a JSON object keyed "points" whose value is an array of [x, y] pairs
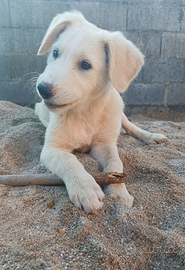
{"points": [[157, 27]]}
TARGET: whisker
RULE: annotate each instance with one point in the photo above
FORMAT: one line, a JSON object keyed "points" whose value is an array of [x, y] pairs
{"points": [[31, 83], [34, 79], [29, 73]]}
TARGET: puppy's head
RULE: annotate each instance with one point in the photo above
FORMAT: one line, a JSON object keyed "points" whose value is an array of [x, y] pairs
{"points": [[83, 62]]}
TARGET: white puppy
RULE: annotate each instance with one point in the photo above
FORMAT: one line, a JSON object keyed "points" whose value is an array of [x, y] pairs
{"points": [[81, 106]]}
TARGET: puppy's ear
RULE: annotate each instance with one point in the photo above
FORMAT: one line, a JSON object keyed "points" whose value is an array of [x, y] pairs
{"points": [[125, 60], [57, 26]]}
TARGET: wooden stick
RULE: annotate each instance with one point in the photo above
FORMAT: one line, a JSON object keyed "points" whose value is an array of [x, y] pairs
{"points": [[52, 180]]}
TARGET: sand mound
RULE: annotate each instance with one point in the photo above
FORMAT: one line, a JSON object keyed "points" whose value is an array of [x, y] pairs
{"points": [[40, 228]]}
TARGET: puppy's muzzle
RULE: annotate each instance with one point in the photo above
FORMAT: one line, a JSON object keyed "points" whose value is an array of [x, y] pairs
{"points": [[45, 90]]}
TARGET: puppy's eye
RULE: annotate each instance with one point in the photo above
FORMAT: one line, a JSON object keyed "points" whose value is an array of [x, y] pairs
{"points": [[85, 65], [55, 54]]}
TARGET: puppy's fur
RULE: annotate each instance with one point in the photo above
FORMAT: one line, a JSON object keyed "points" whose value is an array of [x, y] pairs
{"points": [[81, 106]]}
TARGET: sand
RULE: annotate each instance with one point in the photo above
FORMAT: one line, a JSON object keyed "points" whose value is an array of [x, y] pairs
{"points": [[41, 229]]}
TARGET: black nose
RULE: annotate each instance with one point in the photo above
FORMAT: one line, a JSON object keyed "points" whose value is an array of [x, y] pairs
{"points": [[45, 90]]}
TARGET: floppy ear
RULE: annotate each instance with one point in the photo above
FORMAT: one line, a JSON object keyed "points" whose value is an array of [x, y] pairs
{"points": [[57, 26], [125, 60]]}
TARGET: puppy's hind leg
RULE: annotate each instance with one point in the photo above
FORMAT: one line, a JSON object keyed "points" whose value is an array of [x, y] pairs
{"points": [[141, 134], [42, 112]]}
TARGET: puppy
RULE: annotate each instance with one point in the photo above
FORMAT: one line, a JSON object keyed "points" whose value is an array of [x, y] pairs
{"points": [[81, 106]]}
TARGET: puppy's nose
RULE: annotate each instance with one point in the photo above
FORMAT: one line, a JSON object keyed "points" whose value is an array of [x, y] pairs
{"points": [[45, 90]]}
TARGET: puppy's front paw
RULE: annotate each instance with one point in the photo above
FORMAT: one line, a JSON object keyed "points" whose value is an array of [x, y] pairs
{"points": [[86, 195], [158, 138], [119, 190]]}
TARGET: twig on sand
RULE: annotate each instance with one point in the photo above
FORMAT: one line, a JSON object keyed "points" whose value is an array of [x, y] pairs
{"points": [[52, 180]]}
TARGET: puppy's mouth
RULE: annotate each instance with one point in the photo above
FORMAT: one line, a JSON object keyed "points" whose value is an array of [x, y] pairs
{"points": [[52, 106]]}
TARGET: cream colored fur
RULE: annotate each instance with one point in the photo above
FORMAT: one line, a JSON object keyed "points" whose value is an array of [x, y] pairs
{"points": [[87, 110]]}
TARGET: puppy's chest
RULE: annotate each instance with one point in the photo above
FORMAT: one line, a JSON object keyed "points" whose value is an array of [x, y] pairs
{"points": [[77, 134]]}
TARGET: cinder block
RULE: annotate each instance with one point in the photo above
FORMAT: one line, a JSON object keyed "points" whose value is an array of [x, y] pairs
{"points": [[4, 13], [88, 9], [58, 0], [85, 0], [182, 17], [144, 94], [163, 70], [154, 17], [20, 40], [110, 16], [148, 42], [16, 91], [34, 14], [25, 67], [5, 40], [173, 45], [150, 2], [5, 72], [139, 77], [176, 94]]}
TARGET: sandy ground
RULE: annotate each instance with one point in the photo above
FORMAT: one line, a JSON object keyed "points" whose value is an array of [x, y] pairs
{"points": [[41, 229]]}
